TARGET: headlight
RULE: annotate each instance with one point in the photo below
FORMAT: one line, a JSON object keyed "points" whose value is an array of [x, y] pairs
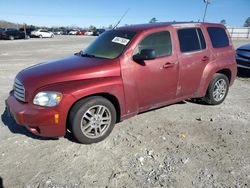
{"points": [[47, 98]]}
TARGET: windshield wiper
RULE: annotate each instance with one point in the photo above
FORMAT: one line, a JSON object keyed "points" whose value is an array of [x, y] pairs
{"points": [[87, 55], [83, 54], [90, 55]]}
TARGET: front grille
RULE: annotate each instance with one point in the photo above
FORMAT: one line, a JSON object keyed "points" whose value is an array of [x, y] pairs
{"points": [[244, 63], [243, 56], [19, 91]]}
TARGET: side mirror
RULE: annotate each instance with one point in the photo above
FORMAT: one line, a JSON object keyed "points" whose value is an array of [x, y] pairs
{"points": [[146, 54]]}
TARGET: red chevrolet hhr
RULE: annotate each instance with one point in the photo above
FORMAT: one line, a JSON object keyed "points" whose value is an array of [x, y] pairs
{"points": [[125, 71]]}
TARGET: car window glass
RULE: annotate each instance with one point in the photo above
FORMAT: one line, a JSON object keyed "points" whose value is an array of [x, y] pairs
{"points": [[10, 29], [160, 42], [188, 40], [218, 37], [110, 44]]}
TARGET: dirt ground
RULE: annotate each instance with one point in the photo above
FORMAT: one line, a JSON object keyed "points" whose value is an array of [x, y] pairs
{"points": [[181, 145]]}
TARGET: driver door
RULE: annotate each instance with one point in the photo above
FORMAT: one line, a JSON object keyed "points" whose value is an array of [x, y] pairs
{"points": [[156, 80]]}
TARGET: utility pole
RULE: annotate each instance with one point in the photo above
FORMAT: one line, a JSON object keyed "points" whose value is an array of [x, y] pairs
{"points": [[207, 2]]}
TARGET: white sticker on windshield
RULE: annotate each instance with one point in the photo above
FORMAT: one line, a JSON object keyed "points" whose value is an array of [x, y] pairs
{"points": [[120, 40]]}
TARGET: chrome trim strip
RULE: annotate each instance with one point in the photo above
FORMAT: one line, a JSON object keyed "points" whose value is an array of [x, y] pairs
{"points": [[19, 90], [242, 66]]}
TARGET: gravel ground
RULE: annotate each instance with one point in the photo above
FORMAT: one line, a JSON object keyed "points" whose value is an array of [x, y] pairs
{"points": [[182, 145]]}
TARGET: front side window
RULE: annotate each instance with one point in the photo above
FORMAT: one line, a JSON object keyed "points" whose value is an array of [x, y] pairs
{"points": [[109, 45], [191, 39], [10, 29], [160, 42], [218, 37]]}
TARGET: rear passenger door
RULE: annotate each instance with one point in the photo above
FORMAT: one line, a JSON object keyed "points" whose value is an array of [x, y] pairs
{"points": [[44, 33], [13, 33], [16, 34], [193, 57]]}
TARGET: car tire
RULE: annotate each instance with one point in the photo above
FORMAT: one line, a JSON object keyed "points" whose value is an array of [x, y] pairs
{"points": [[11, 37], [52, 36], [217, 89], [40, 36], [92, 119]]}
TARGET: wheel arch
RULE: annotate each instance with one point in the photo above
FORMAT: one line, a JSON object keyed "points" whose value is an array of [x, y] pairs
{"points": [[219, 97], [113, 99], [207, 77], [227, 73]]}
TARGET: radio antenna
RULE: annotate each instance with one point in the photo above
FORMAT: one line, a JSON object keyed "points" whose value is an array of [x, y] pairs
{"points": [[121, 18]]}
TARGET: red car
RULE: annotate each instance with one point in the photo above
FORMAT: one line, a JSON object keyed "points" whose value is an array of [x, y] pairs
{"points": [[81, 32], [125, 71]]}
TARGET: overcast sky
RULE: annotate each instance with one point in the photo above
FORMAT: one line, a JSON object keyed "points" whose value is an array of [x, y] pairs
{"points": [[105, 12]]}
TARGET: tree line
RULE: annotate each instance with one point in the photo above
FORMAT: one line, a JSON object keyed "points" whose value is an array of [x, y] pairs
{"points": [[6, 24]]}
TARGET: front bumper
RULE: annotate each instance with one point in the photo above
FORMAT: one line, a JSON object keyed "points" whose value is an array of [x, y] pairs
{"points": [[243, 62], [38, 120]]}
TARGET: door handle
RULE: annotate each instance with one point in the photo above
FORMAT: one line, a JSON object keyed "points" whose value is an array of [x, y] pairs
{"points": [[205, 58], [167, 65]]}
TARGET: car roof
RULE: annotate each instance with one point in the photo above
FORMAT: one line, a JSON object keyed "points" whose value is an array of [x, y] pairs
{"points": [[148, 26]]}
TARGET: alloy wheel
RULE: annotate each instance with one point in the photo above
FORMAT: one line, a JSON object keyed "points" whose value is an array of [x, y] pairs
{"points": [[220, 88], [96, 121]]}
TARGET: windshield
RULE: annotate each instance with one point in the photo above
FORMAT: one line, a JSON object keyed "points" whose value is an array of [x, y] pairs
{"points": [[109, 45]]}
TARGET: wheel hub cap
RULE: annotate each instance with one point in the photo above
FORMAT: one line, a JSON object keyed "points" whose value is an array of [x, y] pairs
{"points": [[95, 121], [220, 89]]}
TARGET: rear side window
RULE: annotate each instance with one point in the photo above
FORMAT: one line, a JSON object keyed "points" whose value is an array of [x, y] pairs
{"points": [[191, 39], [218, 37], [160, 42]]}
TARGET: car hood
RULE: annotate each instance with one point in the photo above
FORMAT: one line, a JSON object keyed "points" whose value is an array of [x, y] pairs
{"points": [[243, 52], [244, 47], [67, 69]]}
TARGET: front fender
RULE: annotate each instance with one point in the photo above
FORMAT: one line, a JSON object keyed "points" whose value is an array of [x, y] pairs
{"points": [[76, 90]]}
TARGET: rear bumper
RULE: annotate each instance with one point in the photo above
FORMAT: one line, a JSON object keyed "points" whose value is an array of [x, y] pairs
{"points": [[38, 120]]}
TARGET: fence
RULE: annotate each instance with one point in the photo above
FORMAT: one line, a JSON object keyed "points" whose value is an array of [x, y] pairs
{"points": [[239, 32]]}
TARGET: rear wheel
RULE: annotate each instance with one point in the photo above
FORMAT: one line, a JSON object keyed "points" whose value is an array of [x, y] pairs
{"points": [[92, 119], [217, 89], [40, 36]]}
